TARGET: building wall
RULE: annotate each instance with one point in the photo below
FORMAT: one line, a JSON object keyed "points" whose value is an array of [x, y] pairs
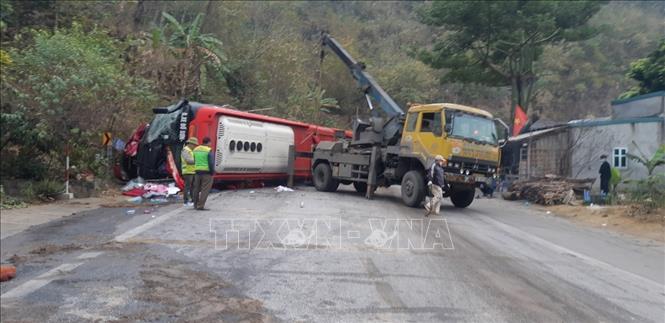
{"points": [[590, 142], [547, 154]]}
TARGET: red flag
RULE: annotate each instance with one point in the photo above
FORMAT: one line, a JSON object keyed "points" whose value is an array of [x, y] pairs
{"points": [[520, 120]]}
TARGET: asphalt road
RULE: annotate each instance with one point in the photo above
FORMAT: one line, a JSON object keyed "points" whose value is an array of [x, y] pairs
{"points": [[326, 257]]}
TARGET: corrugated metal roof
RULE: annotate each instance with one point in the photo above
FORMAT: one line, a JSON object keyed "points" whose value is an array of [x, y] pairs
{"points": [[534, 134], [608, 121]]}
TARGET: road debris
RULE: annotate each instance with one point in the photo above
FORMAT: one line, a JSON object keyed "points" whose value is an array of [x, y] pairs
{"points": [[131, 212], [7, 272], [135, 200], [281, 188], [133, 184], [160, 200]]}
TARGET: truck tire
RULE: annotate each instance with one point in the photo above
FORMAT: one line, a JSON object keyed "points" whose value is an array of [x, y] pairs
{"points": [[323, 179], [413, 188], [462, 198], [361, 187]]}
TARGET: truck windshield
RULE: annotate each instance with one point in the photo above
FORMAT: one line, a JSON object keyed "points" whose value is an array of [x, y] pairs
{"points": [[474, 128]]}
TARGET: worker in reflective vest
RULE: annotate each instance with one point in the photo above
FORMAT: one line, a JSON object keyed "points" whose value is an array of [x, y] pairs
{"points": [[203, 166], [188, 171]]}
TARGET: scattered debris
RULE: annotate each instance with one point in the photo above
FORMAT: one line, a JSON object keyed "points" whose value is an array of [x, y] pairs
{"points": [[7, 272], [548, 190], [302, 204], [176, 290], [131, 212], [51, 249], [160, 200], [137, 191], [283, 189], [133, 184], [135, 200], [16, 259], [172, 189]]}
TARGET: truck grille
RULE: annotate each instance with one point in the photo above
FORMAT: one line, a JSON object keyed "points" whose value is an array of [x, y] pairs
{"points": [[474, 166]]}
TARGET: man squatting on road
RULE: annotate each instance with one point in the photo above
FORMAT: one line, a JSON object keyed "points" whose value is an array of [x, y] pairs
{"points": [[435, 184], [188, 171], [203, 165]]}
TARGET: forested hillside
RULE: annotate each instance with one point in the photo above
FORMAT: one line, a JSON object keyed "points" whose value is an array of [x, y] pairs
{"points": [[71, 69]]}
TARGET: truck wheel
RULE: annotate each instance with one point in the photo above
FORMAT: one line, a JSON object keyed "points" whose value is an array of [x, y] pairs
{"points": [[361, 187], [462, 198], [413, 188], [323, 179]]}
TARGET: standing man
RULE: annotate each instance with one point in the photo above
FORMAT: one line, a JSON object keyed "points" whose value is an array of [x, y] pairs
{"points": [[605, 172], [203, 165], [188, 171], [436, 182]]}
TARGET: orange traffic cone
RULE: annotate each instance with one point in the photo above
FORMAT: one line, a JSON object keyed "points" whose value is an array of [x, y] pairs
{"points": [[7, 272]]}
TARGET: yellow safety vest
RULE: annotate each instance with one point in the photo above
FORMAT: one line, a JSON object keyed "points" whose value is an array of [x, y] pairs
{"points": [[201, 158], [187, 169]]}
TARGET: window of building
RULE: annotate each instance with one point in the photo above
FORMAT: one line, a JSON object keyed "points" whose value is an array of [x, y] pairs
{"points": [[431, 123], [524, 153], [411, 122], [619, 157]]}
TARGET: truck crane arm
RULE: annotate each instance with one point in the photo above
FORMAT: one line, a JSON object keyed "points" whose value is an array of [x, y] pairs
{"points": [[365, 81], [391, 128]]}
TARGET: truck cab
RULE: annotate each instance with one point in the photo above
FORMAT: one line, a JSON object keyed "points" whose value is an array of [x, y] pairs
{"points": [[465, 136]]}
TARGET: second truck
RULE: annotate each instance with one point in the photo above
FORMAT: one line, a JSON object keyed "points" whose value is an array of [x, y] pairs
{"points": [[394, 147]]}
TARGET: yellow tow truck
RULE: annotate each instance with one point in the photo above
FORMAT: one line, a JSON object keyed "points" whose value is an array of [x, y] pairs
{"points": [[398, 147]]}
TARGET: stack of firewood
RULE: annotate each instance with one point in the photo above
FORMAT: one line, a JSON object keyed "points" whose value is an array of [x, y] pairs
{"points": [[548, 190]]}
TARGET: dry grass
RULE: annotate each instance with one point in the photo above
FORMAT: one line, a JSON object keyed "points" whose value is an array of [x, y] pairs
{"points": [[634, 219]]}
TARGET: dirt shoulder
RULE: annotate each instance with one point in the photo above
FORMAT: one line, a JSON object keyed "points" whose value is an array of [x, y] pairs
{"points": [[630, 219], [13, 221]]}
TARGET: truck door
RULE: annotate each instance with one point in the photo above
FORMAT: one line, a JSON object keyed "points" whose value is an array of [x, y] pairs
{"points": [[430, 132]]}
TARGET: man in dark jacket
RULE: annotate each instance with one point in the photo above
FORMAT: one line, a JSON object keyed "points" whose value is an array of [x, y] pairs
{"points": [[204, 166], [436, 182], [605, 172]]}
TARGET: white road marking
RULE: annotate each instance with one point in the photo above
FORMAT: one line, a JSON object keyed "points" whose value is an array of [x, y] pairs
{"points": [[145, 226], [45, 278], [40, 281], [89, 255], [593, 261]]}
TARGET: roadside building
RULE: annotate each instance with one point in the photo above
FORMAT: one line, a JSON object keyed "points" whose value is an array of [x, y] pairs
{"points": [[573, 149]]}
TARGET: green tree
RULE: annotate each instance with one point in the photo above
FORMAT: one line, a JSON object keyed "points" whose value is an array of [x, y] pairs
{"points": [[649, 72], [194, 50], [70, 85], [497, 42], [658, 159]]}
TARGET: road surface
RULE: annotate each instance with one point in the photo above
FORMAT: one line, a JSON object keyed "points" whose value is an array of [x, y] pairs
{"points": [[326, 257]]}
